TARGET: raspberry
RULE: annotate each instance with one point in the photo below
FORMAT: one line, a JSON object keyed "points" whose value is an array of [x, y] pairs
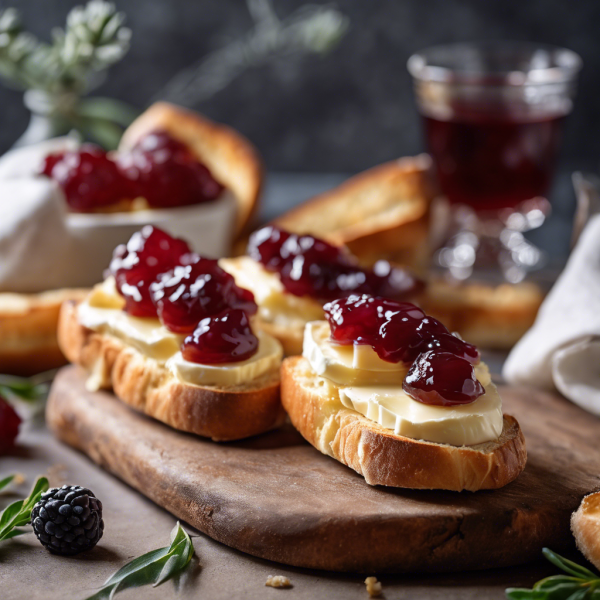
{"points": [[9, 426]]}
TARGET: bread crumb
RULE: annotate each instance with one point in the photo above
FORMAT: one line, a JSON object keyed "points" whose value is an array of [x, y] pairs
{"points": [[373, 587], [278, 581]]}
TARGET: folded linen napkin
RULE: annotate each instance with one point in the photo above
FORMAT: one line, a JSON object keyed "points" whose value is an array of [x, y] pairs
{"points": [[562, 349]]}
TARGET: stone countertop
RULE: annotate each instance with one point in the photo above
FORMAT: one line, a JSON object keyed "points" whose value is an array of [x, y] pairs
{"points": [[135, 525]]}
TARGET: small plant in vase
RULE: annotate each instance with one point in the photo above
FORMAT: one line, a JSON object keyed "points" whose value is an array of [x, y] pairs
{"points": [[56, 76]]}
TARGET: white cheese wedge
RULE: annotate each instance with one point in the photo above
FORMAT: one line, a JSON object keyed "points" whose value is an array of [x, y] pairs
{"points": [[347, 365], [373, 387]]}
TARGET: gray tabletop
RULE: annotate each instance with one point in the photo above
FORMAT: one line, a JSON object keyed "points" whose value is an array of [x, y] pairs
{"points": [[135, 525]]}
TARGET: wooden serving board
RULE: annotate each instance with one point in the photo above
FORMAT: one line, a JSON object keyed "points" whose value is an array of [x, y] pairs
{"points": [[276, 497]]}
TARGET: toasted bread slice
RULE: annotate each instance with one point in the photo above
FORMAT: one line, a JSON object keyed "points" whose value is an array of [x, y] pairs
{"points": [[493, 317], [384, 458], [585, 524], [231, 158], [218, 413], [379, 213], [28, 322]]}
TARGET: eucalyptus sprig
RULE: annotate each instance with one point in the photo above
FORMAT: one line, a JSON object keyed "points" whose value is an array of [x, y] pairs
{"points": [[152, 568], [18, 513], [579, 583]]}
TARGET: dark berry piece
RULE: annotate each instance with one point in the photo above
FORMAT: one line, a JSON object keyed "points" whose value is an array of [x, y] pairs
{"points": [[309, 266], [89, 178], [67, 535], [188, 293], [9, 426], [136, 265], [166, 173], [442, 379], [225, 338]]}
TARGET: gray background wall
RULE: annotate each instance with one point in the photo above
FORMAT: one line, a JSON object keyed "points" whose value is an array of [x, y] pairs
{"points": [[348, 110]]}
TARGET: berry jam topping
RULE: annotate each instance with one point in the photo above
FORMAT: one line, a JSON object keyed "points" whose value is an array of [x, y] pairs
{"points": [[167, 174], [223, 338], [397, 331], [9, 426], [158, 168], [309, 266], [89, 178], [441, 371], [149, 253], [441, 378], [195, 290]]}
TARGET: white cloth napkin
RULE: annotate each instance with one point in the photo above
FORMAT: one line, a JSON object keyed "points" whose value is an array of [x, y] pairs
{"points": [[562, 349]]}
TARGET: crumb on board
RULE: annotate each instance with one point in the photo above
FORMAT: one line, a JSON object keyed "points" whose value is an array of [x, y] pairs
{"points": [[57, 474], [373, 587], [278, 581]]}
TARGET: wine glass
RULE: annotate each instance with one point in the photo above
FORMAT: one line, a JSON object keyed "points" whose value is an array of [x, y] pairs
{"points": [[492, 116]]}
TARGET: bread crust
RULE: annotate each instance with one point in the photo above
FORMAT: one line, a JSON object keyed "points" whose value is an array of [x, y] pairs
{"points": [[231, 158], [385, 458], [142, 383], [380, 213], [28, 323], [585, 524], [291, 337]]}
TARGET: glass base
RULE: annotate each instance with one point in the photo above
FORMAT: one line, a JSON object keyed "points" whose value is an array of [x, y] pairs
{"points": [[491, 247]]}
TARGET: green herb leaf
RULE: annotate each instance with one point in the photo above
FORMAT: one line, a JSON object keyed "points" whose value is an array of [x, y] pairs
{"points": [[21, 388], [579, 584], [18, 513], [6, 481], [152, 568]]}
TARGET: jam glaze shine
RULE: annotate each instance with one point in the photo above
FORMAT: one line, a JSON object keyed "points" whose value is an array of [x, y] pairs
{"points": [[159, 168], [160, 277], [441, 364], [309, 266]]}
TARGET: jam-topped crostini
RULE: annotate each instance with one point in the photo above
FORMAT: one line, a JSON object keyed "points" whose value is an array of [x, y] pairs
{"points": [[160, 278], [157, 172], [173, 335], [391, 393], [292, 276]]}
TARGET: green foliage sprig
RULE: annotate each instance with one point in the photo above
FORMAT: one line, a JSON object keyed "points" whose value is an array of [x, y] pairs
{"points": [[17, 514], [579, 583], [152, 568], [93, 39]]}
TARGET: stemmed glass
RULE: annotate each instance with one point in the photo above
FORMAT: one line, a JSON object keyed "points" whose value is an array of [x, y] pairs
{"points": [[492, 117]]}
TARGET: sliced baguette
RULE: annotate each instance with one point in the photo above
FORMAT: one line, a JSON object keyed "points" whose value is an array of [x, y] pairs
{"points": [[142, 383], [231, 158], [585, 524], [380, 213], [384, 458], [28, 322], [494, 317]]}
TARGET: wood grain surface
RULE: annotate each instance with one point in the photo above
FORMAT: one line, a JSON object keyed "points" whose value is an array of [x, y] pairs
{"points": [[276, 497]]}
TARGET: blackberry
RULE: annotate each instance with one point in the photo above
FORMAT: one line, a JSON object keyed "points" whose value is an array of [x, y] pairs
{"points": [[68, 520]]}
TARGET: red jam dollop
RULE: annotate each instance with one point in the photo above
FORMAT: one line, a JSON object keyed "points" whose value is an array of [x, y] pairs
{"points": [[89, 178], [224, 338], [442, 379], [167, 174], [190, 292], [397, 331], [158, 168], [309, 266], [441, 371], [135, 266]]}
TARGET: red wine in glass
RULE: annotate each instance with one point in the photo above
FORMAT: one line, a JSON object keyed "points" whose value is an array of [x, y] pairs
{"points": [[493, 160]]}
